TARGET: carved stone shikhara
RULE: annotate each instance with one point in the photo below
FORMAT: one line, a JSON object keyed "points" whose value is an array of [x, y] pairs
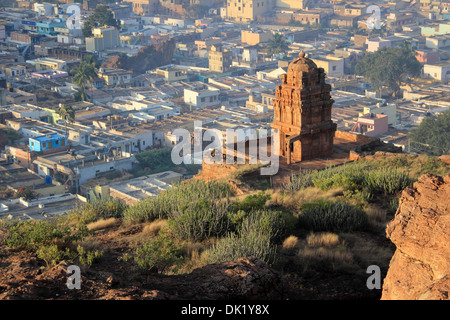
{"points": [[302, 112]]}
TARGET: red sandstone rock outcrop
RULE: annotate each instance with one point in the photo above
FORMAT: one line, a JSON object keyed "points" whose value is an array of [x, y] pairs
{"points": [[22, 278], [248, 279], [420, 267]]}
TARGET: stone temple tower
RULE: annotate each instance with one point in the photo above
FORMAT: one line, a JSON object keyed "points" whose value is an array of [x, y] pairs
{"points": [[302, 112]]}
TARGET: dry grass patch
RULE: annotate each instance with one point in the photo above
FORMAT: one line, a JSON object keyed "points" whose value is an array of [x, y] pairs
{"points": [[290, 242], [375, 214], [367, 251], [321, 258], [102, 224], [294, 200], [325, 254], [155, 226], [322, 239], [90, 244]]}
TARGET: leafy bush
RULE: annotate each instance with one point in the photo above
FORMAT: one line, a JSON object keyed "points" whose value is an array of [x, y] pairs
{"points": [[97, 209], [159, 254], [50, 241], [256, 236], [148, 209], [348, 176], [177, 199], [387, 180], [274, 224], [253, 202], [25, 192], [362, 177], [156, 160], [232, 247], [31, 235], [335, 216], [432, 136], [200, 220], [300, 181], [50, 254], [87, 257]]}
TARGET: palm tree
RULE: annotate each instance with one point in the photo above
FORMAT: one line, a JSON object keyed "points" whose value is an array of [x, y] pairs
{"points": [[278, 44], [67, 113], [84, 74]]}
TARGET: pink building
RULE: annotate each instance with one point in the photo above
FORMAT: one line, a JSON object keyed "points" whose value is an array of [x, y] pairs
{"points": [[427, 56], [371, 125]]}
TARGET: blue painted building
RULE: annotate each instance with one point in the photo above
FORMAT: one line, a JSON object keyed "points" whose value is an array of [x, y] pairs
{"points": [[47, 142], [43, 27]]}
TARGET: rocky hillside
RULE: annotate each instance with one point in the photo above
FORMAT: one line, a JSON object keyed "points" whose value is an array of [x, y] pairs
{"points": [[420, 267], [146, 58], [313, 239], [24, 276]]}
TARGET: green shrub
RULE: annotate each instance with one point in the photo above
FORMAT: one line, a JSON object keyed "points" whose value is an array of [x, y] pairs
{"points": [[158, 255], [253, 202], [31, 235], [275, 224], [87, 257], [256, 236], [50, 254], [50, 241], [392, 205], [148, 209], [318, 203], [177, 199], [348, 176], [97, 209], [200, 220], [300, 181], [232, 247], [364, 177], [388, 181], [236, 217], [336, 216], [26, 193]]}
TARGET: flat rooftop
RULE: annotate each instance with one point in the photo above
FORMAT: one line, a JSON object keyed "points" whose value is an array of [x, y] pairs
{"points": [[48, 137], [52, 209]]}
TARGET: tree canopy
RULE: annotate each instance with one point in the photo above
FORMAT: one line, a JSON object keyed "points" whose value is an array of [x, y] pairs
{"points": [[102, 16], [196, 11], [389, 67], [83, 74], [278, 45], [433, 135], [67, 113]]}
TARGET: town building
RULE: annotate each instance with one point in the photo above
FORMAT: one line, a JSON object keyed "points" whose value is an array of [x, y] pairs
{"points": [[371, 125], [144, 7], [247, 10], [172, 73], [252, 37], [47, 142], [388, 109], [115, 77], [219, 59], [333, 66], [102, 39], [201, 98], [439, 71]]}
